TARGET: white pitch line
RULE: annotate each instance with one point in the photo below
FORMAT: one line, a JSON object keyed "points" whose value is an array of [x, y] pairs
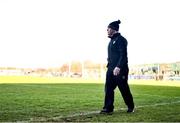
{"points": [[93, 112], [159, 104], [97, 112]]}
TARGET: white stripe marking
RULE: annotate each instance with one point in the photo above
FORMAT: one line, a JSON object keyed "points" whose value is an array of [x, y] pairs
{"points": [[97, 112], [42, 119]]}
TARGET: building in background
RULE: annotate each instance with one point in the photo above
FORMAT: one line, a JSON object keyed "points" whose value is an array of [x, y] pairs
{"points": [[90, 69]]}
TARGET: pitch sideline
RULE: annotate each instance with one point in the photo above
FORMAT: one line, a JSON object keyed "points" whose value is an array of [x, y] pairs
{"points": [[97, 112], [90, 113]]}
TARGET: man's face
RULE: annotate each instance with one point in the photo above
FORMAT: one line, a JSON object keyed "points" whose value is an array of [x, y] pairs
{"points": [[110, 32]]}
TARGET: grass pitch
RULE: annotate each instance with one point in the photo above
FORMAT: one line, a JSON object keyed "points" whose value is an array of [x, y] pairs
{"points": [[33, 102]]}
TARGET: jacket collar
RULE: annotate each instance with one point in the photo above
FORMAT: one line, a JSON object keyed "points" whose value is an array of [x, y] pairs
{"points": [[115, 35]]}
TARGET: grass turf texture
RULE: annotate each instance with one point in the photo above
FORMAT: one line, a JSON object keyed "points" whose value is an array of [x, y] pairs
{"points": [[68, 102]]}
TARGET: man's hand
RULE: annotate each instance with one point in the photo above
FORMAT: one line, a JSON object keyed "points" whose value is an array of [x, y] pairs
{"points": [[116, 71]]}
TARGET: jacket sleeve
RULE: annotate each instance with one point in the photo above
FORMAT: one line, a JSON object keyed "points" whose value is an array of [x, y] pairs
{"points": [[107, 62], [122, 49]]}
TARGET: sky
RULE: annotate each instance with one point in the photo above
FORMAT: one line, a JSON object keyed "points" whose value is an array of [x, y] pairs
{"points": [[47, 33]]}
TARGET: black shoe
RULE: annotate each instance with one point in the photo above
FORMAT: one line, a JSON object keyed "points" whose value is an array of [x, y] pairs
{"points": [[130, 110], [105, 111]]}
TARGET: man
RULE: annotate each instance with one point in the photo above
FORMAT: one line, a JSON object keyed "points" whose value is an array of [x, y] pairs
{"points": [[117, 70]]}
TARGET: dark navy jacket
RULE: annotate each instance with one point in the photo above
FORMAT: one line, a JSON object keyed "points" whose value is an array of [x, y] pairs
{"points": [[117, 52]]}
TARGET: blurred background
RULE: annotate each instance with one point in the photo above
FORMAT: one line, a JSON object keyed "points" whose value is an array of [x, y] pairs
{"points": [[68, 38]]}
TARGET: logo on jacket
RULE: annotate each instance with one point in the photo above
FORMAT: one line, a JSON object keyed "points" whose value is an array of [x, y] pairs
{"points": [[114, 42]]}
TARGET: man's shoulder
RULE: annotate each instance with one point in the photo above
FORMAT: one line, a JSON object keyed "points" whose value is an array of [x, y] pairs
{"points": [[122, 39]]}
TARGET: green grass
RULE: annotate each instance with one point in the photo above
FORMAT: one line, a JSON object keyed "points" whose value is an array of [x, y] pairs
{"points": [[59, 102]]}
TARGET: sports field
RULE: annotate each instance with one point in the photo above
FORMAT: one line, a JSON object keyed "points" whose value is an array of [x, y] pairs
{"points": [[35, 99]]}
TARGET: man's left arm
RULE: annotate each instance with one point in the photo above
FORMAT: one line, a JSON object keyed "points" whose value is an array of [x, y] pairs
{"points": [[122, 49]]}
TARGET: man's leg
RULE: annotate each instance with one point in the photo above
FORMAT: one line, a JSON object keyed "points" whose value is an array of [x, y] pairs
{"points": [[110, 85], [122, 81]]}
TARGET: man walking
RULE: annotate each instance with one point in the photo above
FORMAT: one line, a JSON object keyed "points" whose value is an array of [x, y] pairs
{"points": [[117, 70]]}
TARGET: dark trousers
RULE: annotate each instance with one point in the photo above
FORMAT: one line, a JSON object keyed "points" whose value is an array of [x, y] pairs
{"points": [[122, 82]]}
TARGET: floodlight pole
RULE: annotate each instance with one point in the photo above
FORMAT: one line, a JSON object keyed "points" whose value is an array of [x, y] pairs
{"points": [[82, 65], [69, 69], [158, 70]]}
